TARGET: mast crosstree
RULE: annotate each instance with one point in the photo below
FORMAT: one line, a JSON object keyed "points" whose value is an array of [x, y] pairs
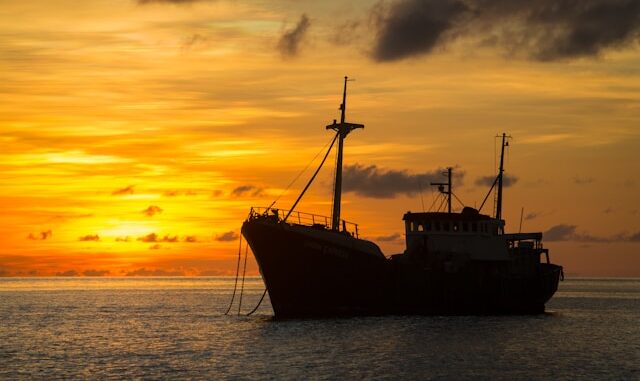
{"points": [[343, 129]]}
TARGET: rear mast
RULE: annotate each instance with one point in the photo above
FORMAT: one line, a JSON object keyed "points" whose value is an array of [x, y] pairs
{"points": [[343, 129]]}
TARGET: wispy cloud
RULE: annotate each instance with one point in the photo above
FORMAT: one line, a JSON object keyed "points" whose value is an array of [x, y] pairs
{"points": [[153, 237], [507, 180], [124, 191], [93, 272], [395, 237], [142, 2], [247, 190], [565, 232], [152, 210], [583, 180], [289, 44], [89, 237], [68, 273], [44, 235], [226, 237], [154, 272]]}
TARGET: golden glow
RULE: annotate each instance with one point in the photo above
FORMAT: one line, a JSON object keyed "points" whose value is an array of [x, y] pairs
{"points": [[135, 136]]}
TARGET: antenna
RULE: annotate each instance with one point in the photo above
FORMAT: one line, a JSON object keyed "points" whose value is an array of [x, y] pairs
{"points": [[505, 143], [521, 214], [447, 192]]}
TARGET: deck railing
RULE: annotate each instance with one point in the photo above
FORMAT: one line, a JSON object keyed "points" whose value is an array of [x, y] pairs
{"points": [[305, 219]]}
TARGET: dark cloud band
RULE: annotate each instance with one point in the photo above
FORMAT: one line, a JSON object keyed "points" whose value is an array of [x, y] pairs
{"points": [[543, 30]]}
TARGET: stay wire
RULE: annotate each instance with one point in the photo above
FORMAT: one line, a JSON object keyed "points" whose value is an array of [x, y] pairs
{"points": [[299, 174], [312, 178]]}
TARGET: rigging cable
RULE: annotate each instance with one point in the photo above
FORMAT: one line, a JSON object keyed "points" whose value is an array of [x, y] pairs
{"points": [[312, 178], [421, 196], [235, 284], [444, 200], [244, 272], [434, 201], [298, 175], [460, 201]]}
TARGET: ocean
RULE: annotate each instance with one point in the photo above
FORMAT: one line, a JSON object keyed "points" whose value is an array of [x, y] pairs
{"points": [[175, 328]]}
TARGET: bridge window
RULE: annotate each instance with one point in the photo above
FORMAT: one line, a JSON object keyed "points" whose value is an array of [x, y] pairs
{"points": [[445, 226], [474, 226], [465, 227], [437, 225], [420, 227], [456, 227], [427, 226]]}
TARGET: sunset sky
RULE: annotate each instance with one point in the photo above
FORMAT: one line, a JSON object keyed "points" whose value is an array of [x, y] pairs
{"points": [[136, 135]]}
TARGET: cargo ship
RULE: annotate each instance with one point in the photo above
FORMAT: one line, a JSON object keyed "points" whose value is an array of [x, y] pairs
{"points": [[455, 263]]}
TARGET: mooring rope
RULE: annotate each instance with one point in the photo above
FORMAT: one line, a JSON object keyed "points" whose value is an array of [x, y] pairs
{"points": [[235, 284], [244, 272], [259, 303]]}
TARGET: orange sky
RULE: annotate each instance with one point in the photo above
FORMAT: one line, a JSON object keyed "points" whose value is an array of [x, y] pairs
{"points": [[136, 135]]}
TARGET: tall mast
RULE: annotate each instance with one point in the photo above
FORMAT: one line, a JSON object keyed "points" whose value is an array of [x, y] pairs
{"points": [[343, 128], [500, 177]]}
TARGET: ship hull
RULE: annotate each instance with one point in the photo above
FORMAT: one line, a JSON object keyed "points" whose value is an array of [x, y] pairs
{"points": [[316, 273], [480, 288], [312, 272]]}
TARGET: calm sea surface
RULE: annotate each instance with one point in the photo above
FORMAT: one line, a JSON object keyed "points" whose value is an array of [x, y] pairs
{"points": [[174, 328]]}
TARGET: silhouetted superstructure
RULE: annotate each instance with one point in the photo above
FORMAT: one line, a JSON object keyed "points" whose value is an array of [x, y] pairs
{"points": [[454, 263]]}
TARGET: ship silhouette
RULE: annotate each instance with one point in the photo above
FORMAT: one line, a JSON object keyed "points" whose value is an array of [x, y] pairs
{"points": [[454, 263]]}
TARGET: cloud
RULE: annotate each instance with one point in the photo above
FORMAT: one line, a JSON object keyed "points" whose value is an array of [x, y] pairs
{"points": [[92, 272], [531, 216], [89, 237], [153, 237], [543, 30], [44, 235], [123, 191], [68, 273], [507, 180], [226, 237], [290, 40], [565, 232], [413, 27], [123, 239], [560, 233], [157, 246], [369, 181], [583, 180], [190, 239], [634, 237], [142, 2], [346, 32], [175, 193], [194, 41], [246, 190], [389, 238], [154, 272], [152, 210]]}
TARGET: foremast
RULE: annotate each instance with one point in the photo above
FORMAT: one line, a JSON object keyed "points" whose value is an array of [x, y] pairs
{"points": [[342, 129]]}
